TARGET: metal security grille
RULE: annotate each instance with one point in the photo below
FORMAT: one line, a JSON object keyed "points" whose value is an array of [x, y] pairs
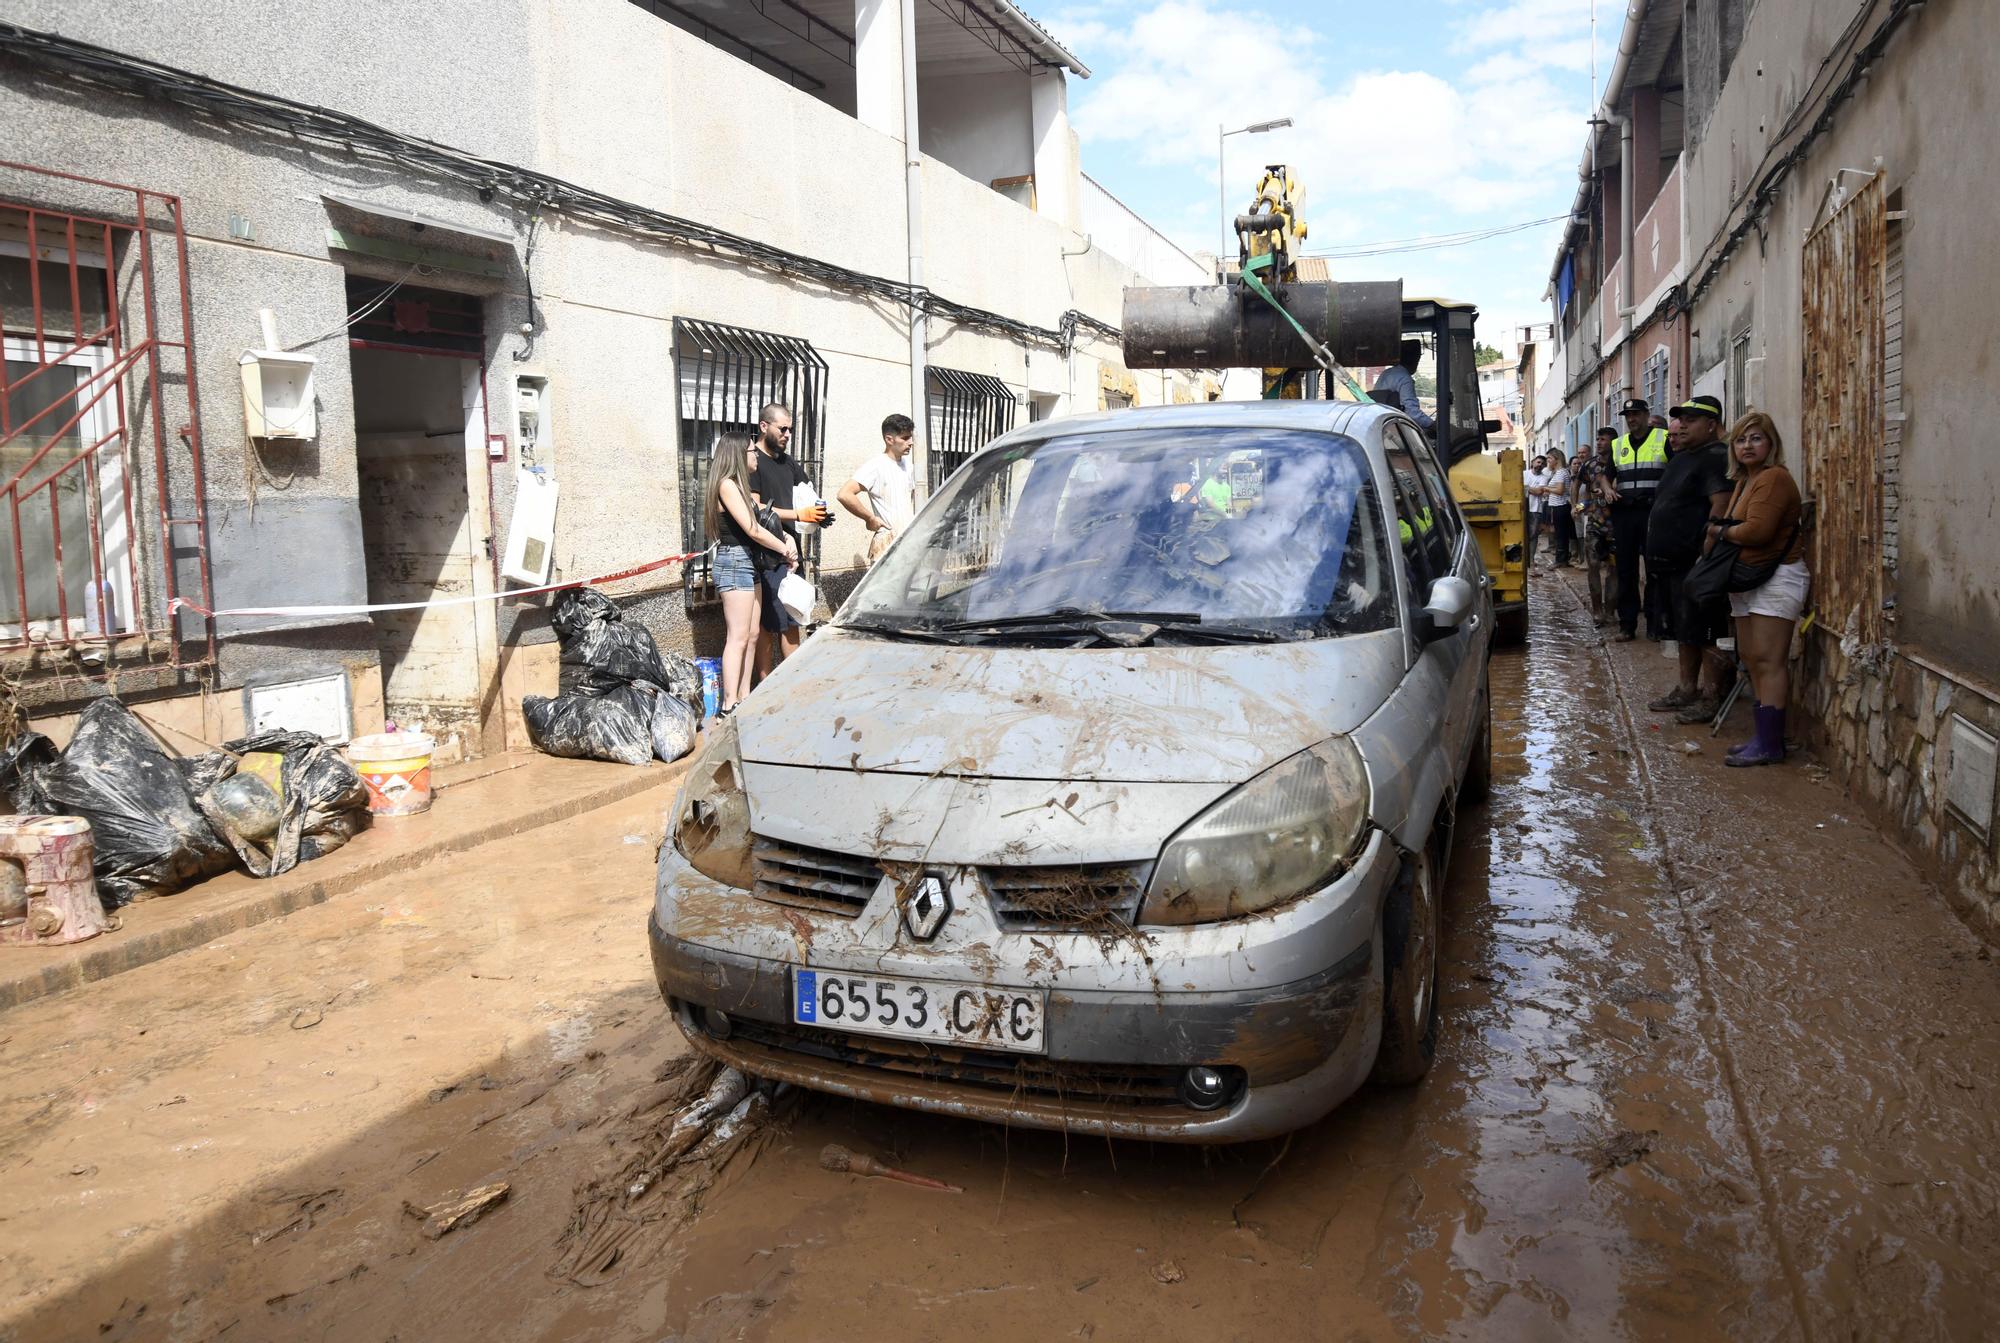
{"points": [[725, 375], [96, 318], [1653, 381], [966, 412]]}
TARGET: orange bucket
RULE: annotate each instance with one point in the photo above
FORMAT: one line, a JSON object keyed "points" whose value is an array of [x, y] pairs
{"points": [[396, 766]]}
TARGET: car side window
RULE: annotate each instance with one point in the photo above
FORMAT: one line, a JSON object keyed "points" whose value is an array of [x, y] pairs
{"points": [[1437, 484], [1420, 526]]}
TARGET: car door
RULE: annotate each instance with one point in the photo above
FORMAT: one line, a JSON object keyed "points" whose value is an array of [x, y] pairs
{"points": [[1469, 681], [1416, 762], [1444, 548]]}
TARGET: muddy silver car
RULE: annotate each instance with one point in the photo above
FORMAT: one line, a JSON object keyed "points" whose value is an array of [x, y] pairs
{"points": [[1117, 798]]}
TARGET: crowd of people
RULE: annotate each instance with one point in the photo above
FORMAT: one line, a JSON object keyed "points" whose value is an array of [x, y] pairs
{"points": [[1701, 533]]}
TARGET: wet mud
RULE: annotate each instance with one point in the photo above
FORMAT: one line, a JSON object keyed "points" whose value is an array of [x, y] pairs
{"points": [[1714, 1064]]}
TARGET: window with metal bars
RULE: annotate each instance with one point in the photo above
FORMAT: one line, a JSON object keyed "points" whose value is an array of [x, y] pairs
{"points": [[966, 412], [724, 376], [1653, 382]]}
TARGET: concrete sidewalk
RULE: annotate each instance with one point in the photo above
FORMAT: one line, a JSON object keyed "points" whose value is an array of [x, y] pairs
{"points": [[476, 802]]}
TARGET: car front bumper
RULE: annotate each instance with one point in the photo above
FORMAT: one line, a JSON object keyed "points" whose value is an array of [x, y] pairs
{"points": [[1293, 1049]]}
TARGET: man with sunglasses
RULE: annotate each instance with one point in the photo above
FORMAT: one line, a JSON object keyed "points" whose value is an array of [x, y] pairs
{"points": [[776, 474]]}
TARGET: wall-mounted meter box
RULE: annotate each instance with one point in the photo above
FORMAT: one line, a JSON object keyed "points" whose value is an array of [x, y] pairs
{"points": [[278, 395], [533, 430]]}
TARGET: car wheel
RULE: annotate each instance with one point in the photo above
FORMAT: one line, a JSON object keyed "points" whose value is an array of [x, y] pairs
{"points": [[1411, 931], [1479, 770]]}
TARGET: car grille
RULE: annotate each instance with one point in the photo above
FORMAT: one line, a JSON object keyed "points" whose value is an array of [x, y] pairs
{"points": [[1143, 1086], [807, 878], [1093, 898]]}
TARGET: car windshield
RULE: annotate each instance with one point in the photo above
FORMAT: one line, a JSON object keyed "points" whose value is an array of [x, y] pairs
{"points": [[1206, 533]]}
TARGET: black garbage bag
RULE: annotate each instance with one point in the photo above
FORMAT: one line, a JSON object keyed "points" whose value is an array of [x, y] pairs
{"points": [[674, 727], [601, 651], [22, 761], [616, 725], [319, 805], [150, 837]]}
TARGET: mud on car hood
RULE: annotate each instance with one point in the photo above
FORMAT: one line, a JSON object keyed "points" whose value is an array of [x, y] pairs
{"points": [[852, 703]]}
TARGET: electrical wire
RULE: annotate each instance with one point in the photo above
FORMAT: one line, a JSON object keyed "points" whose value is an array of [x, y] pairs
{"points": [[359, 314], [1432, 242], [353, 136]]}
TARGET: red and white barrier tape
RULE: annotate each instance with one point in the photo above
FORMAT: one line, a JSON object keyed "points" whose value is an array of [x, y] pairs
{"points": [[181, 603]]}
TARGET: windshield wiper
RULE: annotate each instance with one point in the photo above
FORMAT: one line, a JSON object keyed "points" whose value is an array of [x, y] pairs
{"points": [[924, 631], [1073, 617], [1225, 632]]}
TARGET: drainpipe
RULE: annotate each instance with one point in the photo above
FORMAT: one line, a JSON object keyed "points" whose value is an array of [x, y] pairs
{"points": [[913, 198], [1627, 304]]}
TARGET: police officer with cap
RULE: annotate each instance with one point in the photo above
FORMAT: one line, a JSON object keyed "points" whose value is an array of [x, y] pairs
{"points": [[1638, 460]]}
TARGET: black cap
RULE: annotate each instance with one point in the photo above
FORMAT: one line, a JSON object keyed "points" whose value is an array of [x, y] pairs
{"points": [[1636, 407], [1700, 405]]}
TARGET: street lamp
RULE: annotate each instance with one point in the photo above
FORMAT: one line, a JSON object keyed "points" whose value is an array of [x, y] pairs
{"points": [[1222, 172]]}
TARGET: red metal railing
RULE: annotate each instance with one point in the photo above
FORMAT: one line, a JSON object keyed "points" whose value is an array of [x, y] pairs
{"points": [[83, 265]]}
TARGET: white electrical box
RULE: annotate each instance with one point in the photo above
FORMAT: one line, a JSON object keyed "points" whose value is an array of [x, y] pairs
{"points": [[532, 427], [319, 706], [278, 395], [531, 535]]}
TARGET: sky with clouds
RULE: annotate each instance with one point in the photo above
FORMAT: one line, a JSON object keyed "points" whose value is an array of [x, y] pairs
{"points": [[1411, 119]]}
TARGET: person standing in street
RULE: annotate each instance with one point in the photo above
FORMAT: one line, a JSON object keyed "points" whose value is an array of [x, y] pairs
{"points": [[1535, 484], [1693, 489], [1593, 523], [1638, 459], [1764, 515], [883, 492], [1556, 507], [776, 477], [743, 548]]}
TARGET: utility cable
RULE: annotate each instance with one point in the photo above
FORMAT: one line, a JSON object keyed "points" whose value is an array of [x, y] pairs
{"points": [[1432, 242]]}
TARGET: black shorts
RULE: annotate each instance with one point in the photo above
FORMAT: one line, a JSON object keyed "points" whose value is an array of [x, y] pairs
{"points": [[1690, 621], [776, 619]]}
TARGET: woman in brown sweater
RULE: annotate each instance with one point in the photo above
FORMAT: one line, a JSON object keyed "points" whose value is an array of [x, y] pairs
{"points": [[1763, 518]]}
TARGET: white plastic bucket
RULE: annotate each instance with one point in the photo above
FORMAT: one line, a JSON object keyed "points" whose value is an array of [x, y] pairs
{"points": [[396, 766]]}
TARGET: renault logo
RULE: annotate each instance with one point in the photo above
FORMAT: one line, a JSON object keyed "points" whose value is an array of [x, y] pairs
{"points": [[925, 908]]}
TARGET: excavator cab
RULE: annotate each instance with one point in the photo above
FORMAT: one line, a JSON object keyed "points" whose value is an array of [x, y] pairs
{"points": [[1487, 485]]}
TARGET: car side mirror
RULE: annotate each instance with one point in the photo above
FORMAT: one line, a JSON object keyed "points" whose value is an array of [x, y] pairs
{"points": [[1449, 604]]}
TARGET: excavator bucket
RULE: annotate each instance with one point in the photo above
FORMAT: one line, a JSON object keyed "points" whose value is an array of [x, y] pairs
{"points": [[1229, 326]]}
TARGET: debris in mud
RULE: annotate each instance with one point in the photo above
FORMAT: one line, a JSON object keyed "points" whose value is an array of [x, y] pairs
{"points": [[1623, 1149], [1690, 748], [712, 1113], [836, 1158], [1167, 1272], [306, 1208], [440, 1218]]}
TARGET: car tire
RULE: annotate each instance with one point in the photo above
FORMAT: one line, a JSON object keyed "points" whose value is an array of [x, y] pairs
{"points": [[1479, 769], [1412, 928]]}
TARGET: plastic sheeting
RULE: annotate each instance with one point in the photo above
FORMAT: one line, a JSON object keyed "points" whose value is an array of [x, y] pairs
{"points": [[150, 837], [322, 802]]}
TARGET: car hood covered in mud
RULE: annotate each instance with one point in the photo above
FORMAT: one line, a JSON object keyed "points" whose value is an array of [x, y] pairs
{"points": [[1211, 715]]}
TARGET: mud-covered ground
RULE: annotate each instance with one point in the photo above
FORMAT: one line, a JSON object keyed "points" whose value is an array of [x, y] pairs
{"points": [[1716, 1063]]}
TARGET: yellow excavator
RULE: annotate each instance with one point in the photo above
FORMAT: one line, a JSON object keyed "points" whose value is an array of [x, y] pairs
{"points": [[1305, 335]]}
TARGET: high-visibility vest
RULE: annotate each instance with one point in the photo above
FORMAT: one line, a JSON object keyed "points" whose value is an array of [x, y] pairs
{"points": [[1424, 522], [1639, 469]]}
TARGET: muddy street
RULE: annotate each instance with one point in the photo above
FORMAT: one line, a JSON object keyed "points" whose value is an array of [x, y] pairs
{"points": [[1715, 1063]]}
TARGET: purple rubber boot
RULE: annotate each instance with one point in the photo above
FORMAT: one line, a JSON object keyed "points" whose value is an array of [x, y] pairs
{"points": [[1743, 746], [1769, 747]]}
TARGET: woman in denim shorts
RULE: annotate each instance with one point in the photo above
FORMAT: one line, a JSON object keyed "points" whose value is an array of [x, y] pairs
{"points": [[743, 546]]}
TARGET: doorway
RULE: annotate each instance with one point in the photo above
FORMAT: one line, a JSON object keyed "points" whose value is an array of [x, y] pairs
{"points": [[419, 419]]}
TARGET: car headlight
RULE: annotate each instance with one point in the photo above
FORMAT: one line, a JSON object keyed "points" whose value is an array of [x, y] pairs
{"points": [[711, 826], [1290, 830]]}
